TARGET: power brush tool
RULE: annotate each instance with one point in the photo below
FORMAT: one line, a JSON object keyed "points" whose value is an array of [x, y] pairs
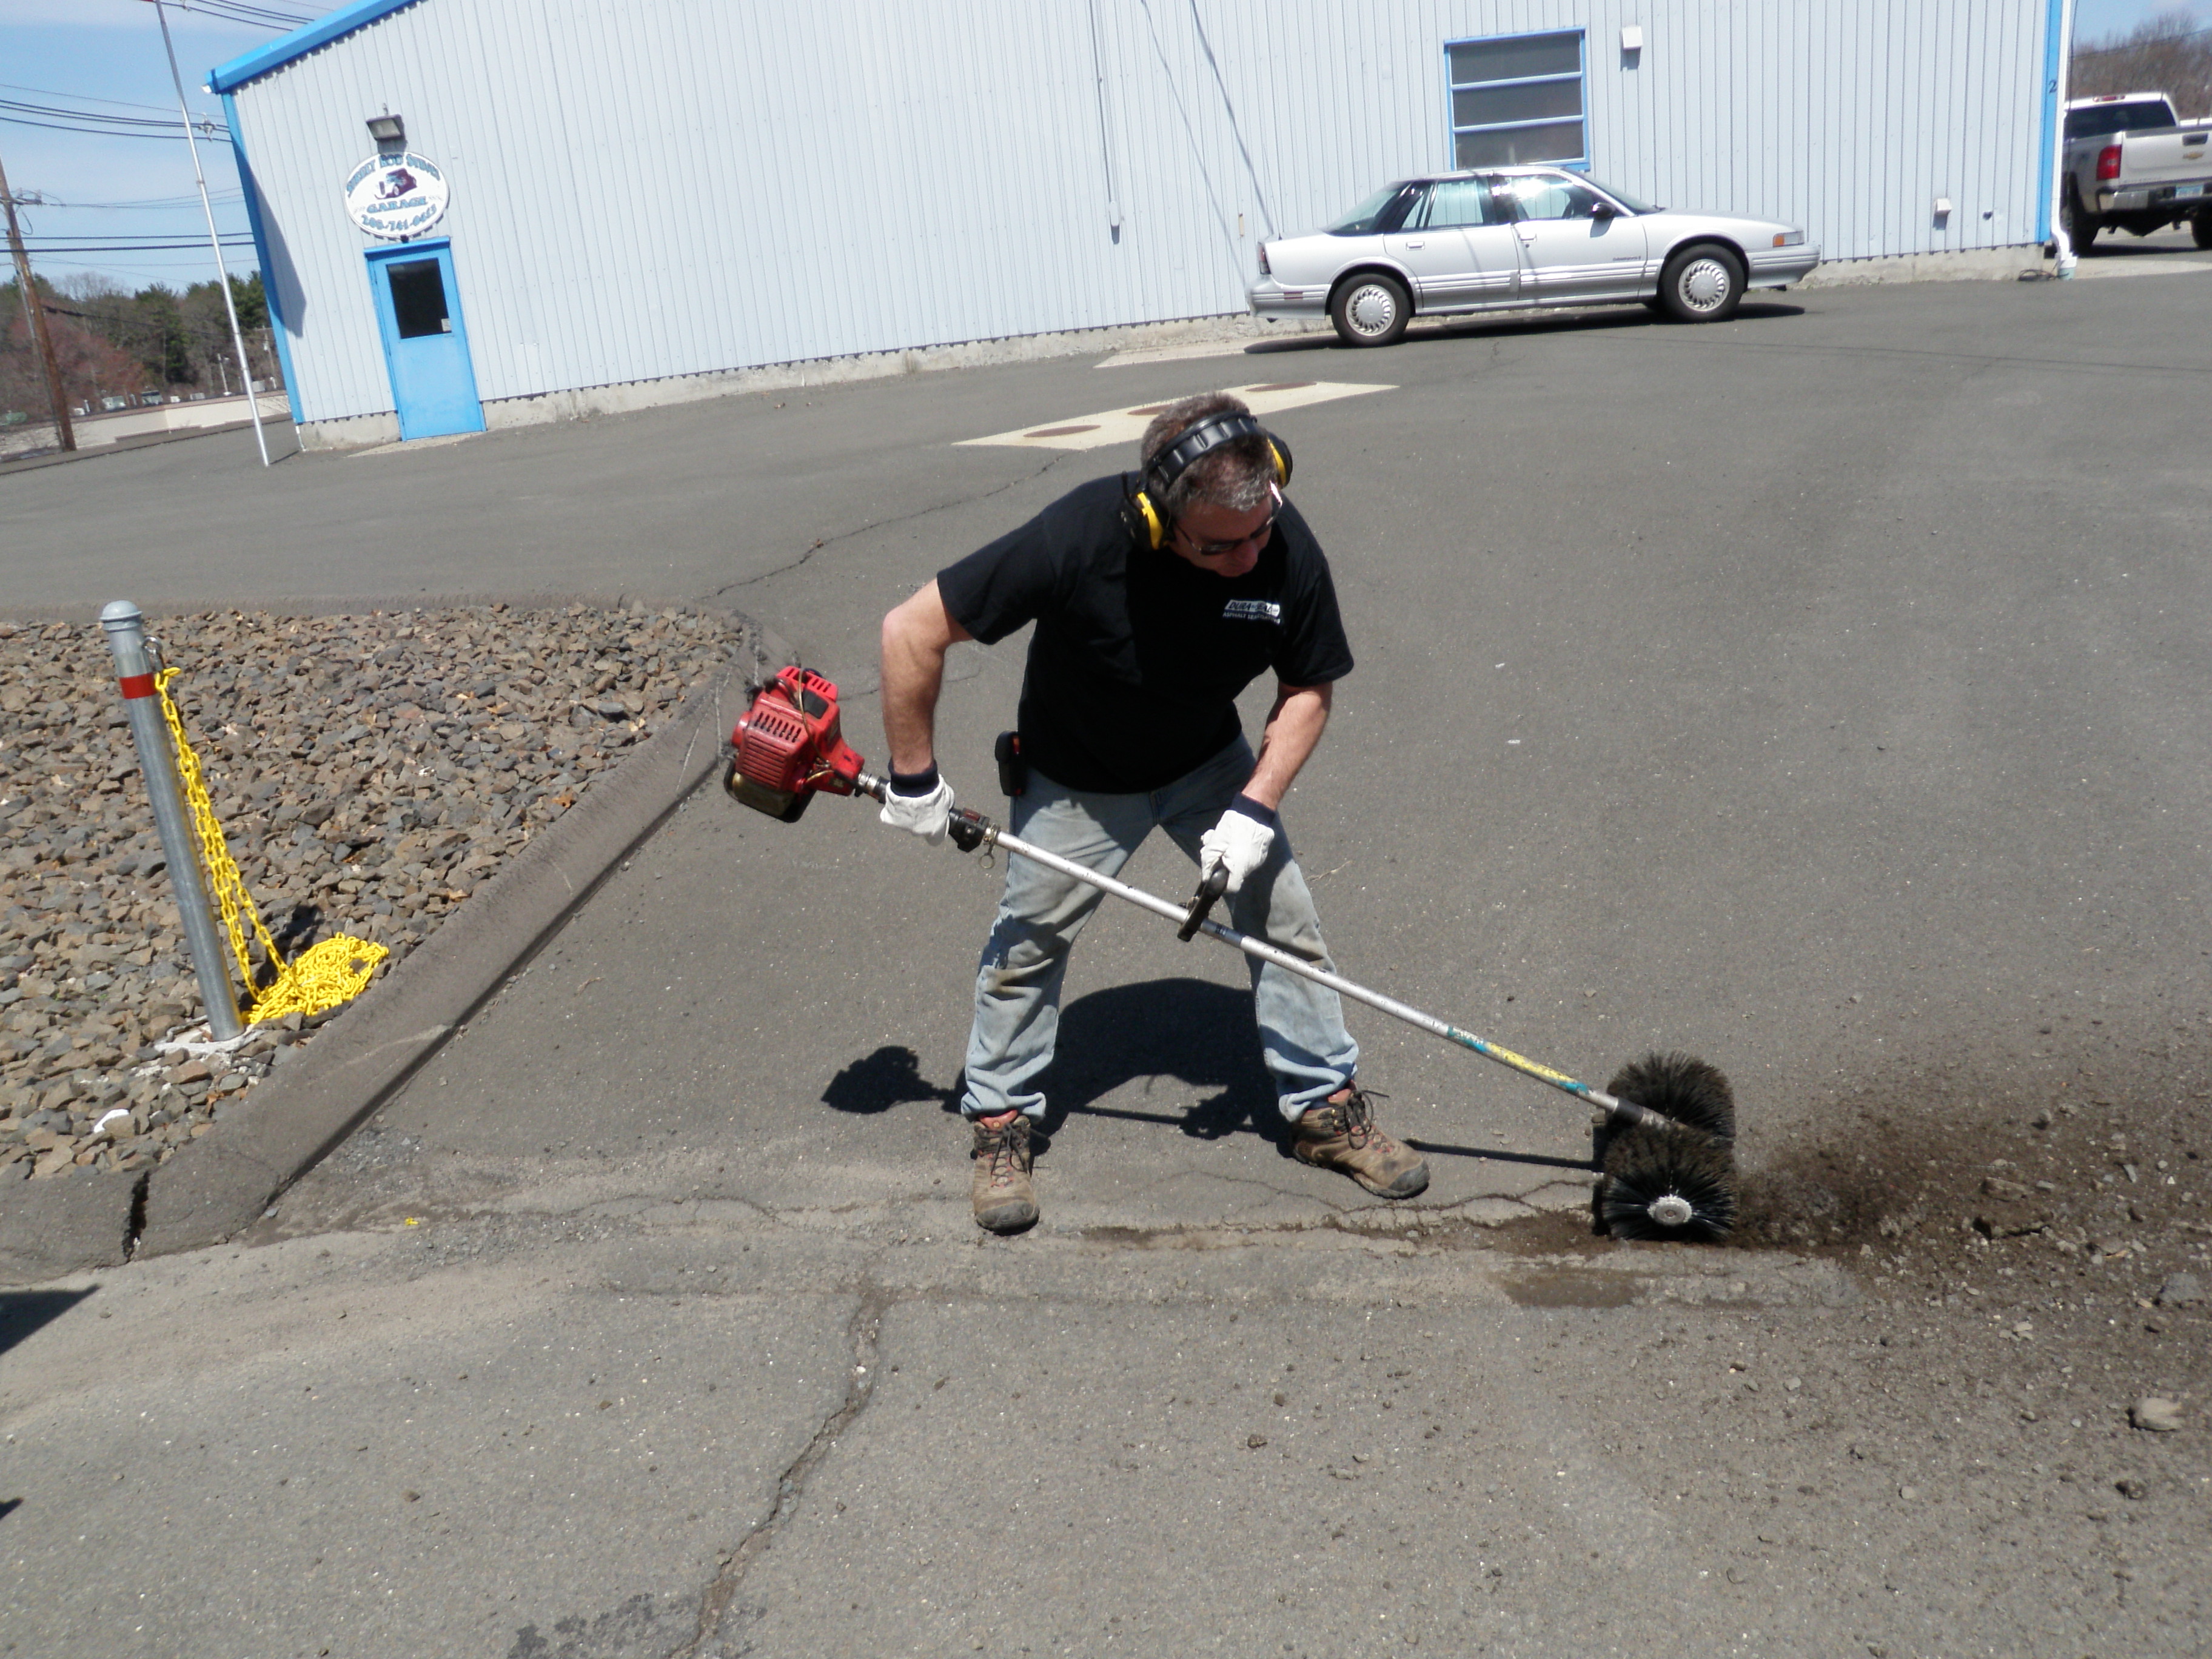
{"points": [[1666, 1141]]}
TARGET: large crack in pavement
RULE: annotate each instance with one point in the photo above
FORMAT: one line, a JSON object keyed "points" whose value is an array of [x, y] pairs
{"points": [[863, 1332], [843, 536]]}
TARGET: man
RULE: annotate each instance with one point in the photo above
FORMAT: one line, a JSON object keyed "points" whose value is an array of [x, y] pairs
{"points": [[1157, 600]]}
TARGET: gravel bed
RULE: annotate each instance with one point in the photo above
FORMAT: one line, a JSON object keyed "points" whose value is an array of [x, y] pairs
{"points": [[369, 772]]}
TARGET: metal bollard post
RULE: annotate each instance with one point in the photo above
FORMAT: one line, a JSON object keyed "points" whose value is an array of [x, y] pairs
{"points": [[127, 638]]}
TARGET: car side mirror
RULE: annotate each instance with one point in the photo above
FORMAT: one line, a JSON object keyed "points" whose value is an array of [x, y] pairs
{"points": [[1603, 211]]}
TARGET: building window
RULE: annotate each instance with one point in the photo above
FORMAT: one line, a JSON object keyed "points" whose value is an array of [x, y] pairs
{"points": [[1517, 99]]}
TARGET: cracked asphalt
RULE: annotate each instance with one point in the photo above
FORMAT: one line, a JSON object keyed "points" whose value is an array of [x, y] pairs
{"points": [[1820, 692]]}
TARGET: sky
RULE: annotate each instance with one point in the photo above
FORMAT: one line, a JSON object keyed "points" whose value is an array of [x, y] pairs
{"points": [[105, 57], [2098, 20]]}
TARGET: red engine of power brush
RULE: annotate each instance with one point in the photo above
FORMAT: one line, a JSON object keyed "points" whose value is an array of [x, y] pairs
{"points": [[788, 747]]}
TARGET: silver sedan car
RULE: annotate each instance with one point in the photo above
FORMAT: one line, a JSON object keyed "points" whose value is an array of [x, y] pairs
{"points": [[1514, 238]]}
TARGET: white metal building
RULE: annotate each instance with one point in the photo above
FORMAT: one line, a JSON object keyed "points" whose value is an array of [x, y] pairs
{"points": [[605, 203]]}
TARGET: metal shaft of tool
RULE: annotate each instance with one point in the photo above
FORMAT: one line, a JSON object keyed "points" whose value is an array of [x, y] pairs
{"points": [[134, 670], [990, 834]]}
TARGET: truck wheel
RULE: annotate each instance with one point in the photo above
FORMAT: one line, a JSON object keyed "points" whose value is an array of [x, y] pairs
{"points": [[1369, 310], [2200, 227], [1701, 284], [2082, 228]]}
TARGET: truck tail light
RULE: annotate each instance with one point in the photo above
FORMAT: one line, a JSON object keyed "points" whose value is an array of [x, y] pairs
{"points": [[1264, 270], [2108, 162]]}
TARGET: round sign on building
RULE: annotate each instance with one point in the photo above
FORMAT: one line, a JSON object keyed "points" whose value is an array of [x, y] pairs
{"points": [[396, 196]]}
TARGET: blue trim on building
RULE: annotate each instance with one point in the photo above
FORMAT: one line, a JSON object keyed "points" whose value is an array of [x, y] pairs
{"points": [[300, 42], [269, 296], [2046, 153]]}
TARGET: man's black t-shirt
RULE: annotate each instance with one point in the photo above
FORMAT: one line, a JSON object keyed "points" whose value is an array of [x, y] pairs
{"points": [[1138, 656]]}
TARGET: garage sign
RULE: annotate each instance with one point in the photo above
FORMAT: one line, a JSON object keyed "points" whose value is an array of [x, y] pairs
{"points": [[396, 196]]}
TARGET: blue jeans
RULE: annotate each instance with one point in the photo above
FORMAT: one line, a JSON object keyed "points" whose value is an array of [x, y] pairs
{"points": [[1308, 1052]]}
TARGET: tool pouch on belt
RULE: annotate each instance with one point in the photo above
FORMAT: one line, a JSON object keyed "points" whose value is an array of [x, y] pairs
{"points": [[1013, 770]]}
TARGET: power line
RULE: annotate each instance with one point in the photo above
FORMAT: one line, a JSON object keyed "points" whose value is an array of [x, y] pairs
{"points": [[219, 135], [166, 123], [146, 268], [134, 247], [238, 11], [84, 98], [92, 122], [151, 205], [84, 238]]}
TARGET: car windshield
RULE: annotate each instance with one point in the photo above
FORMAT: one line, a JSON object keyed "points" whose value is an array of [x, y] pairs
{"points": [[1367, 218], [2133, 114], [1634, 204]]}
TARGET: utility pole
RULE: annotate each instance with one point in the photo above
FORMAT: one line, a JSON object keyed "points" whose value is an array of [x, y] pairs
{"points": [[230, 306], [2068, 260], [40, 342]]}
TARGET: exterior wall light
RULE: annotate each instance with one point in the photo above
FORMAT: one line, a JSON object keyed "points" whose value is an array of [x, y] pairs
{"points": [[1632, 38], [388, 130]]}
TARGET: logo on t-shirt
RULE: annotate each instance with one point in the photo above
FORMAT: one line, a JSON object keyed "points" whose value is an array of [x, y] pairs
{"points": [[1266, 610]]}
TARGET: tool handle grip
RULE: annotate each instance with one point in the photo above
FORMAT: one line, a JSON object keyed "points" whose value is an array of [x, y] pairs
{"points": [[969, 829], [1203, 901]]}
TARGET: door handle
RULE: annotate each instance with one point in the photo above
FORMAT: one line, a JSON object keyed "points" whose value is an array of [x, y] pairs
{"points": [[1417, 245]]}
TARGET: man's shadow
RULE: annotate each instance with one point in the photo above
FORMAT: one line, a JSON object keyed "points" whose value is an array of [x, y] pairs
{"points": [[1198, 1033]]}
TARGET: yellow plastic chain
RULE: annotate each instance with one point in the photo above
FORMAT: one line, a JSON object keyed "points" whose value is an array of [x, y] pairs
{"points": [[326, 975]]}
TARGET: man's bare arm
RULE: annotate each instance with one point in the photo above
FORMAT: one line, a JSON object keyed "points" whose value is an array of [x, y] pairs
{"points": [[916, 636], [1294, 726]]}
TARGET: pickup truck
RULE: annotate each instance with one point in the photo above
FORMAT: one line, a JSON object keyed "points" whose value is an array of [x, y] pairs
{"points": [[2131, 165]]}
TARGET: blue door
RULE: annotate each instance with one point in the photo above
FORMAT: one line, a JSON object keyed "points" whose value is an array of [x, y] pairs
{"points": [[426, 347]]}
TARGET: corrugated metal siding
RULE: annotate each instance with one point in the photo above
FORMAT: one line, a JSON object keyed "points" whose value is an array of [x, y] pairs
{"points": [[669, 187]]}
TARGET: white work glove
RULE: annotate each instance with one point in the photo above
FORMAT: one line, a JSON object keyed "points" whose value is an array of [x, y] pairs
{"points": [[1238, 844], [925, 814]]}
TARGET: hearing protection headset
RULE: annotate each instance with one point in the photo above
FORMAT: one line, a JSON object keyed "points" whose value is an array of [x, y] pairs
{"points": [[1171, 463]]}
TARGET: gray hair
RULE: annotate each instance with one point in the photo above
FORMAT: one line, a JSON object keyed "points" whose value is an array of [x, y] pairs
{"points": [[1237, 475]]}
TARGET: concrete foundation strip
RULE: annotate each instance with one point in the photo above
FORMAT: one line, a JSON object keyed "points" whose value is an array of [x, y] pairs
{"points": [[286, 1123]]}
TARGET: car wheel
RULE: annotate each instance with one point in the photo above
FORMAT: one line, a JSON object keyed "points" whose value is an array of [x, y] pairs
{"points": [[2200, 227], [1701, 285], [1369, 311]]}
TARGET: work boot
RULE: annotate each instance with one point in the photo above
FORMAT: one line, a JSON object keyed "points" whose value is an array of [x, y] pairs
{"points": [[1339, 1134], [999, 1188]]}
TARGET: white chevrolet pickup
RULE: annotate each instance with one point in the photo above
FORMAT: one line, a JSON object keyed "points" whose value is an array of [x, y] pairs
{"points": [[2132, 166]]}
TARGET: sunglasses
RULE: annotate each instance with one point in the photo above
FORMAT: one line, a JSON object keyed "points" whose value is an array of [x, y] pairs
{"points": [[1223, 550]]}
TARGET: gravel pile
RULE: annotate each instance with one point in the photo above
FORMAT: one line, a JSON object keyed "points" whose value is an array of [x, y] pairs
{"points": [[369, 772]]}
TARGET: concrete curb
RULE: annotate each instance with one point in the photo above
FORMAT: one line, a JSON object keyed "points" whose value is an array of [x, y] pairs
{"points": [[222, 1181], [366, 605], [44, 458], [68, 1225]]}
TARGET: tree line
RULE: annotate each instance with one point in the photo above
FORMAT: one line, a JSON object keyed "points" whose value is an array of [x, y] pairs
{"points": [[2170, 54], [112, 343]]}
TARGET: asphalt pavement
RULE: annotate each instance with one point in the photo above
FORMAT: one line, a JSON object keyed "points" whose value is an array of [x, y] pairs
{"points": [[1818, 692]]}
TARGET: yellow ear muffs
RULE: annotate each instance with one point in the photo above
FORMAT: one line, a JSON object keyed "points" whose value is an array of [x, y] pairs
{"points": [[1155, 532], [1169, 464]]}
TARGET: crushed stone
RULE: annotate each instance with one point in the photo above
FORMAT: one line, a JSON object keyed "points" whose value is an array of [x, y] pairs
{"points": [[369, 772]]}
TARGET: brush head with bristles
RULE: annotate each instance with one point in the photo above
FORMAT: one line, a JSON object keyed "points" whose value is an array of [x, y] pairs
{"points": [[1668, 1184], [1682, 1087]]}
